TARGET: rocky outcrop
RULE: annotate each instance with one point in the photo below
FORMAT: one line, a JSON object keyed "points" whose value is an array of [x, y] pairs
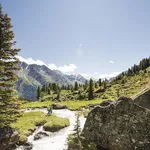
{"points": [[40, 135], [119, 125], [143, 99], [53, 128], [59, 106], [27, 146], [8, 138]]}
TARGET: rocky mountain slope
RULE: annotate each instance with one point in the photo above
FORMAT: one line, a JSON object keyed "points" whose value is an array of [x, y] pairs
{"points": [[31, 76]]}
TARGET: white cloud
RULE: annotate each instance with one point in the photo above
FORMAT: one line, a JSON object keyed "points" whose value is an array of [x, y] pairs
{"points": [[65, 69], [97, 75], [68, 69], [109, 75], [30, 61], [80, 45], [112, 62], [86, 76], [52, 66]]}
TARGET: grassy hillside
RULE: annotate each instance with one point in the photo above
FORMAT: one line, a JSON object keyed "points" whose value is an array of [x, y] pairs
{"points": [[133, 85], [128, 86], [129, 83]]}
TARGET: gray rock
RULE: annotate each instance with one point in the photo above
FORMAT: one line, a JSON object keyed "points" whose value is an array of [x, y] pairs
{"points": [[8, 138], [73, 148], [104, 103], [27, 146], [119, 125], [59, 106], [40, 135], [143, 99]]}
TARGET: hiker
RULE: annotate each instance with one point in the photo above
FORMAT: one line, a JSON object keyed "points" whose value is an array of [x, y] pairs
{"points": [[49, 109]]}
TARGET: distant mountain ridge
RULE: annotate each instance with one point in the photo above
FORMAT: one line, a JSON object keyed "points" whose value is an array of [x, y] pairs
{"points": [[32, 75]]}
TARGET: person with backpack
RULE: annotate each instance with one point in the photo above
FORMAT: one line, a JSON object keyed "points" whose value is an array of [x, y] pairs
{"points": [[49, 109]]}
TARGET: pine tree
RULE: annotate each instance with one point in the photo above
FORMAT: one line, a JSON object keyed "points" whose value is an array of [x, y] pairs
{"points": [[38, 93], [58, 95], [96, 85], [68, 87], [9, 104], [86, 85], [49, 91], [105, 83], [50, 86], [90, 96], [118, 93], [76, 86], [54, 87], [77, 128], [43, 89], [100, 82], [77, 131]]}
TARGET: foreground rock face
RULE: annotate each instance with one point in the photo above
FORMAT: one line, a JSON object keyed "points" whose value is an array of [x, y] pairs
{"points": [[143, 99], [8, 138], [119, 125]]}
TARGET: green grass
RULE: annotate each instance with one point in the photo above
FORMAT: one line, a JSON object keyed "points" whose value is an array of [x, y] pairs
{"points": [[56, 123], [27, 123], [76, 105], [72, 105], [133, 85]]}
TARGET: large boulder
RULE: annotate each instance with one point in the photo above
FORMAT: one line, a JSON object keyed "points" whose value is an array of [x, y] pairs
{"points": [[119, 125], [8, 138]]}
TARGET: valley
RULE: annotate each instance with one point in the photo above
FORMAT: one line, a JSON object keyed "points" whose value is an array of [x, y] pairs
{"points": [[89, 87]]}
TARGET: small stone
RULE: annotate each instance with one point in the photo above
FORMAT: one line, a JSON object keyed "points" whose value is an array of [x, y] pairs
{"points": [[133, 140], [40, 135]]}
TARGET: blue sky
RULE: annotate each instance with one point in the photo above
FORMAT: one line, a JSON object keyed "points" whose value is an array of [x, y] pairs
{"points": [[95, 37]]}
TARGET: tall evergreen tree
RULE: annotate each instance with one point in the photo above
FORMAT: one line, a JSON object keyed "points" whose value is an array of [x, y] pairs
{"points": [[105, 83], [54, 87], [68, 87], [48, 91], [76, 86], [90, 96], [86, 85], [9, 104], [38, 93], [100, 82], [96, 85], [58, 95]]}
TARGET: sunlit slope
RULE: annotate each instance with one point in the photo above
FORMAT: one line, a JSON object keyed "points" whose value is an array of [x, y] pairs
{"points": [[132, 86]]}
